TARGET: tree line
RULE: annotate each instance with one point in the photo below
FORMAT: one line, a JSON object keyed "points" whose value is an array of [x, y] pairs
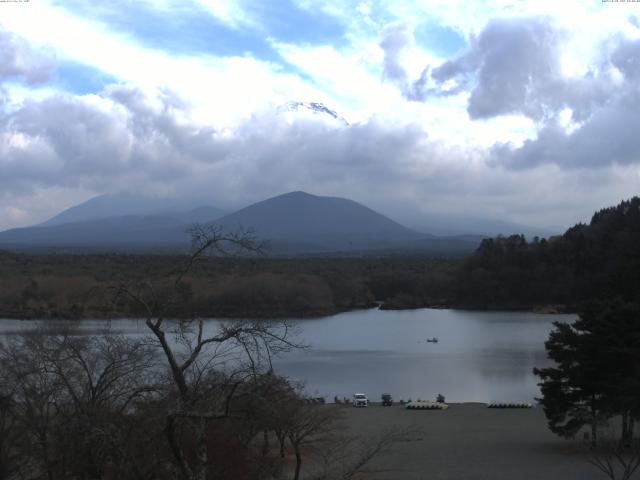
{"points": [[77, 286], [598, 260]]}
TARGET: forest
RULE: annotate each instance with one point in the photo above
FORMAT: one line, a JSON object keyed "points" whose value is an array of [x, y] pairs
{"points": [[589, 261], [599, 260], [81, 286]]}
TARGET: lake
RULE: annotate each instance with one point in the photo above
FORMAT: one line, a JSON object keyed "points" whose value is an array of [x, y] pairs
{"points": [[479, 357]]}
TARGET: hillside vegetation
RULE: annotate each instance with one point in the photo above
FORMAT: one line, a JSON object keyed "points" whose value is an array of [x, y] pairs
{"points": [[598, 260], [78, 286]]}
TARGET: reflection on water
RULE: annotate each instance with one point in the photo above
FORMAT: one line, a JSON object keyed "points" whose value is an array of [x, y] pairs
{"points": [[125, 326], [480, 356]]}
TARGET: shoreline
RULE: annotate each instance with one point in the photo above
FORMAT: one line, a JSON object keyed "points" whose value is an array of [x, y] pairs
{"points": [[541, 309]]}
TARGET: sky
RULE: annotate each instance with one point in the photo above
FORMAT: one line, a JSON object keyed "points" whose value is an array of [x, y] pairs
{"points": [[524, 111]]}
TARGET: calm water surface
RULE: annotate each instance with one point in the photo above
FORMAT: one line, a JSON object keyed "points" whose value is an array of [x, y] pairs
{"points": [[480, 356]]}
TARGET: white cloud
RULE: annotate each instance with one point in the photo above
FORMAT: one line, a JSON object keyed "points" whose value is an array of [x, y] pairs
{"points": [[230, 12], [127, 139], [343, 78], [225, 89]]}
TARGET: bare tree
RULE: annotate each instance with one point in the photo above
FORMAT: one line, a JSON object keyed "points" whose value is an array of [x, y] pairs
{"points": [[319, 440], [308, 425], [35, 395], [247, 345], [101, 372], [72, 397], [103, 377], [617, 459], [9, 433]]}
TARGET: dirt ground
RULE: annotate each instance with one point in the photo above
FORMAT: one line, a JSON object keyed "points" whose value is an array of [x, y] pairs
{"points": [[470, 441]]}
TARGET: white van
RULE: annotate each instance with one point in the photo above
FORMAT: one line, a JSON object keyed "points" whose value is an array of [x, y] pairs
{"points": [[360, 400]]}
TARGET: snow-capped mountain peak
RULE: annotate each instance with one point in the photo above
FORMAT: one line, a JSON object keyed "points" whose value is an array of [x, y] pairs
{"points": [[315, 108]]}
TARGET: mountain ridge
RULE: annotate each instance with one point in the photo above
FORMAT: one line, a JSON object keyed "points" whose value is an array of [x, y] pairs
{"points": [[123, 204], [294, 223]]}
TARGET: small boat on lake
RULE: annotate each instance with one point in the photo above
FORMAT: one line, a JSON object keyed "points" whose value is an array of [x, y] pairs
{"points": [[432, 340]]}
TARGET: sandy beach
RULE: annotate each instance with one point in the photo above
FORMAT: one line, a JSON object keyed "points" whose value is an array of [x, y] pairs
{"points": [[470, 441]]}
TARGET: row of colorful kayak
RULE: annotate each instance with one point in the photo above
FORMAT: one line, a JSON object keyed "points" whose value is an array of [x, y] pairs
{"points": [[425, 405], [419, 405], [509, 405]]}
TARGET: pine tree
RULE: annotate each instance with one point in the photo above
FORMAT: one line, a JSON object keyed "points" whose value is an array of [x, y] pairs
{"points": [[597, 370]]}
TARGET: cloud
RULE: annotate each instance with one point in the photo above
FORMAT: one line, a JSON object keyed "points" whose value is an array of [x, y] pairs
{"points": [[626, 58], [130, 139], [608, 137], [341, 78], [230, 12], [231, 86], [522, 113], [513, 66], [396, 39], [98, 141], [18, 61], [606, 119]]}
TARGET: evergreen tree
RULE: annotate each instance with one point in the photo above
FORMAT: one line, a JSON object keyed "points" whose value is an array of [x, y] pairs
{"points": [[596, 372], [617, 325], [572, 396]]}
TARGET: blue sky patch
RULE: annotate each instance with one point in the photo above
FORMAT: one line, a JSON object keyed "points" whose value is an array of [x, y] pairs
{"points": [[442, 41], [192, 30], [181, 31], [291, 24], [79, 78]]}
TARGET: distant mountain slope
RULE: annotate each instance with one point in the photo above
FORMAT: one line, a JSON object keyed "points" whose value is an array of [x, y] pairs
{"points": [[136, 231], [121, 204], [464, 225], [204, 214], [294, 223], [319, 222], [166, 229]]}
